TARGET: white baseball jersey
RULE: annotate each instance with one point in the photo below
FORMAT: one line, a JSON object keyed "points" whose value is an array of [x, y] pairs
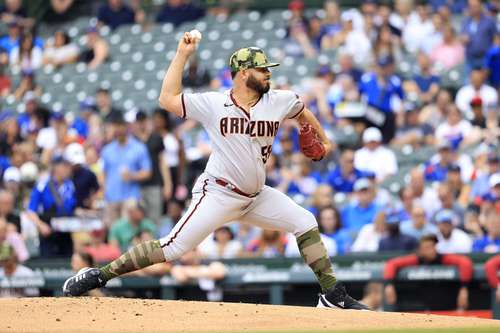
{"points": [[241, 142]]}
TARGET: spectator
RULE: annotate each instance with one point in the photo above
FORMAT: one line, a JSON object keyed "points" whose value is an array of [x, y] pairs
{"points": [[10, 269], [9, 133], [374, 157], [158, 187], [387, 44], [221, 245], [14, 11], [437, 168], [459, 189], [300, 180], [478, 30], [27, 85], [370, 235], [122, 176], [9, 235], [450, 52], [330, 225], [96, 49], [451, 239], [427, 254], [352, 41], [11, 40], [105, 109], [99, 250], [491, 268], [382, 90], [490, 242], [61, 51], [373, 295], [196, 76], [425, 84], [61, 11], [53, 196], [331, 24], [175, 209], [395, 240], [8, 211], [346, 67], [35, 117], [85, 117], [27, 55], [81, 260], [5, 81], [115, 13], [418, 29], [53, 139], [124, 230], [271, 243], [343, 177], [297, 43], [481, 186], [418, 226], [476, 88], [492, 62], [363, 210], [435, 113], [85, 181], [178, 12], [413, 132], [189, 268], [174, 151], [447, 200]]}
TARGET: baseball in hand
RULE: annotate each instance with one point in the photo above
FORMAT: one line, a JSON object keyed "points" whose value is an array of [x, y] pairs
{"points": [[196, 34]]}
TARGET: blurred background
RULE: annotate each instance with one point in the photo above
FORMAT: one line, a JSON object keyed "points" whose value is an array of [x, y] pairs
{"points": [[406, 90]]}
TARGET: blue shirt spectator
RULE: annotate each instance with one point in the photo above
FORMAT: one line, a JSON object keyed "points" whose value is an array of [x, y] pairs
{"points": [[381, 95], [179, 13], [478, 30], [115, 13], [492, 62], [418, 225], [487, 244], [455, 6], [343, 177], [133, 157], [363, 210], [424, 82]]}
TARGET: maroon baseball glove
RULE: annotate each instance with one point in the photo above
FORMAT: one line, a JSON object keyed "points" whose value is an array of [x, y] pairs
{"points": [[310, 144]]}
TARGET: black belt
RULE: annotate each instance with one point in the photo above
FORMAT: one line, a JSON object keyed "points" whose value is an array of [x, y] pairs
{"points": [[234, 188]]}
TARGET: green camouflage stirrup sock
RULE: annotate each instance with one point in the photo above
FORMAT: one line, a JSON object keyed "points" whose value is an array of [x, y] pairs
{"points": [[314, 253], [138, 257]]}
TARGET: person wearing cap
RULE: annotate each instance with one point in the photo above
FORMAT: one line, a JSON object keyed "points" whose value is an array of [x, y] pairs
{"points": [[381, 90], [476, 88], [126, 164], [53, 196], [35, 116], [242, 125], [81, 123], [374, 156], [480, 180], [221, 245], [343, 177], [363, 209], [490, 202], [490, 242], [428, 254], [395, 240], [85, 181], [12, 183], [158, 187], [11, 269], [437, 170], [451, 239]]}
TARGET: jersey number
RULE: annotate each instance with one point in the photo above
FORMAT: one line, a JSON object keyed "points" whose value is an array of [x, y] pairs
{"points": [[266, 152]]}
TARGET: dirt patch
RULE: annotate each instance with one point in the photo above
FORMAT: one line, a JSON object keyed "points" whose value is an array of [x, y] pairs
{"points": [[135, 315]]}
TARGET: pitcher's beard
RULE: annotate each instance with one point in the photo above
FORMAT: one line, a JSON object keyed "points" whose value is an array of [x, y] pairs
{"points": [[254, 84]]}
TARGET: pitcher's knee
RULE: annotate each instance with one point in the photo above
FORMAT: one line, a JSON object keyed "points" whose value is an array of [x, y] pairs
{"points": [[307, 221], [172, 250]]}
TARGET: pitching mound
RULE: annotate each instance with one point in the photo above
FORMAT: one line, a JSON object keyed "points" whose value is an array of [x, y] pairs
{"points": [[135, 315]]}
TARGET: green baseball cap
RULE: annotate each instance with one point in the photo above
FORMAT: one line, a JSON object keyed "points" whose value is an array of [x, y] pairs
{"points": [[6, 251], [249, 57]]}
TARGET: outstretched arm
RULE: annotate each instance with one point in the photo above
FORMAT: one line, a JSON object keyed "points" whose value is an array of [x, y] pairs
{"points": [[307, 117], [170, 96]]}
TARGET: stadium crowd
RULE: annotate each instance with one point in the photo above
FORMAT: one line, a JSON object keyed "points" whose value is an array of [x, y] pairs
{"points": [[128, 172]]}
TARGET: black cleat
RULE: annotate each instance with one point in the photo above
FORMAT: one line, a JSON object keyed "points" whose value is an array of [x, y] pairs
{"points": [[338, 298], [86, 279]]}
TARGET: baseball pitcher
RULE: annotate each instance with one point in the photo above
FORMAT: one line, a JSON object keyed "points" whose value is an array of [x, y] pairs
{"points": [[242, 124]]}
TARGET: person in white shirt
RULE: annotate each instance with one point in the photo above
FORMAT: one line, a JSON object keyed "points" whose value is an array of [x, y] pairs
{"points": [[370, 235], [10, 271], [476, 88], [418, 29], [220, 245], [61, 50], [456, 129], [451, 239], [423, 196], [374, 157]]}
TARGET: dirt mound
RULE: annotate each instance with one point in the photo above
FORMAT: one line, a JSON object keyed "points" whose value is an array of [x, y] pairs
{"points": [[136, 315]]}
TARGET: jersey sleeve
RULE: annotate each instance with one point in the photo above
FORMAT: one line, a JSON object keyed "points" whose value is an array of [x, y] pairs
{"points": [[293, 105], [197, 106]]}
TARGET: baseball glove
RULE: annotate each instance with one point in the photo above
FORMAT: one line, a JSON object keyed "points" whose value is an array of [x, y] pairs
{"points": [[310, 144]]}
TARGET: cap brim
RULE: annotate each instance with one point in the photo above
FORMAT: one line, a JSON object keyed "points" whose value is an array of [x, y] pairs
{"points": [[269, 64]]}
